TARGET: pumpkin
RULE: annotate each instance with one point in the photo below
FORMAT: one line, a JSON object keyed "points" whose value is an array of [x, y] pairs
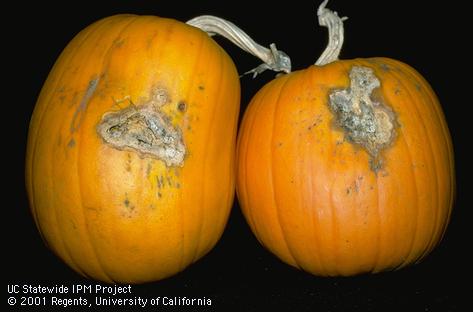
{"points": [[131, 147], [346, 167]]}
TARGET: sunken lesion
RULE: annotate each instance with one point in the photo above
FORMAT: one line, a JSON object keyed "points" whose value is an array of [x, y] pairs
{"points": [[144, 129], [365, 119]]}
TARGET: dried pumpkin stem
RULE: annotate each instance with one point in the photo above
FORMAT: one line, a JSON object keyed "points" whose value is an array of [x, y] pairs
{"points": [[273, 58], [334, 23]]}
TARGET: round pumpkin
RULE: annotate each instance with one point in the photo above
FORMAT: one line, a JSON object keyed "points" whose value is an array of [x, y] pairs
{"points": [[130, 156], [346, 167]]}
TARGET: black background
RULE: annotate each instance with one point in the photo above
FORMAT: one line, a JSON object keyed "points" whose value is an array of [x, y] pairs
{"points": [[239, 274]]}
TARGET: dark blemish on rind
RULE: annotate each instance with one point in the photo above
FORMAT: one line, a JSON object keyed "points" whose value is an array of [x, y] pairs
{"points": [[317, 121], [178, 185], [159, 195], [149, 41], [128, 204], [181, 106], [356, 187], [148, 168], [128, 162], [201, 88], [418, 87], [385, 67], [118, 42], [73, 101], [375, 164], [158, 182], [71, 143], [79, 113], [169, 181]]}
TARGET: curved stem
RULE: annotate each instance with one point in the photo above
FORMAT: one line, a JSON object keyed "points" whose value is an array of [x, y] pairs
{"points": [[334, 23], [273, 58]]}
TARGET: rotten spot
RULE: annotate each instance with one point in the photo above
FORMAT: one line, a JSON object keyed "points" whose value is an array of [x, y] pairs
{"points": [[366, 121], [146, 130]]}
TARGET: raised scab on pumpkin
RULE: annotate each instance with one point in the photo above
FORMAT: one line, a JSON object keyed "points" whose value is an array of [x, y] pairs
{"points": [[145, 129], [366, 121]]}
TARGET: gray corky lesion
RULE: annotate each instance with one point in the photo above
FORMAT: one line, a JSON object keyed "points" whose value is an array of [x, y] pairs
{"points": [[366, 122], [146, 130]]}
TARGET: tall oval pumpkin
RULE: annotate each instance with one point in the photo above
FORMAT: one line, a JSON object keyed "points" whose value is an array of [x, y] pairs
{"points": [[346, 167], [130, 156]]}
